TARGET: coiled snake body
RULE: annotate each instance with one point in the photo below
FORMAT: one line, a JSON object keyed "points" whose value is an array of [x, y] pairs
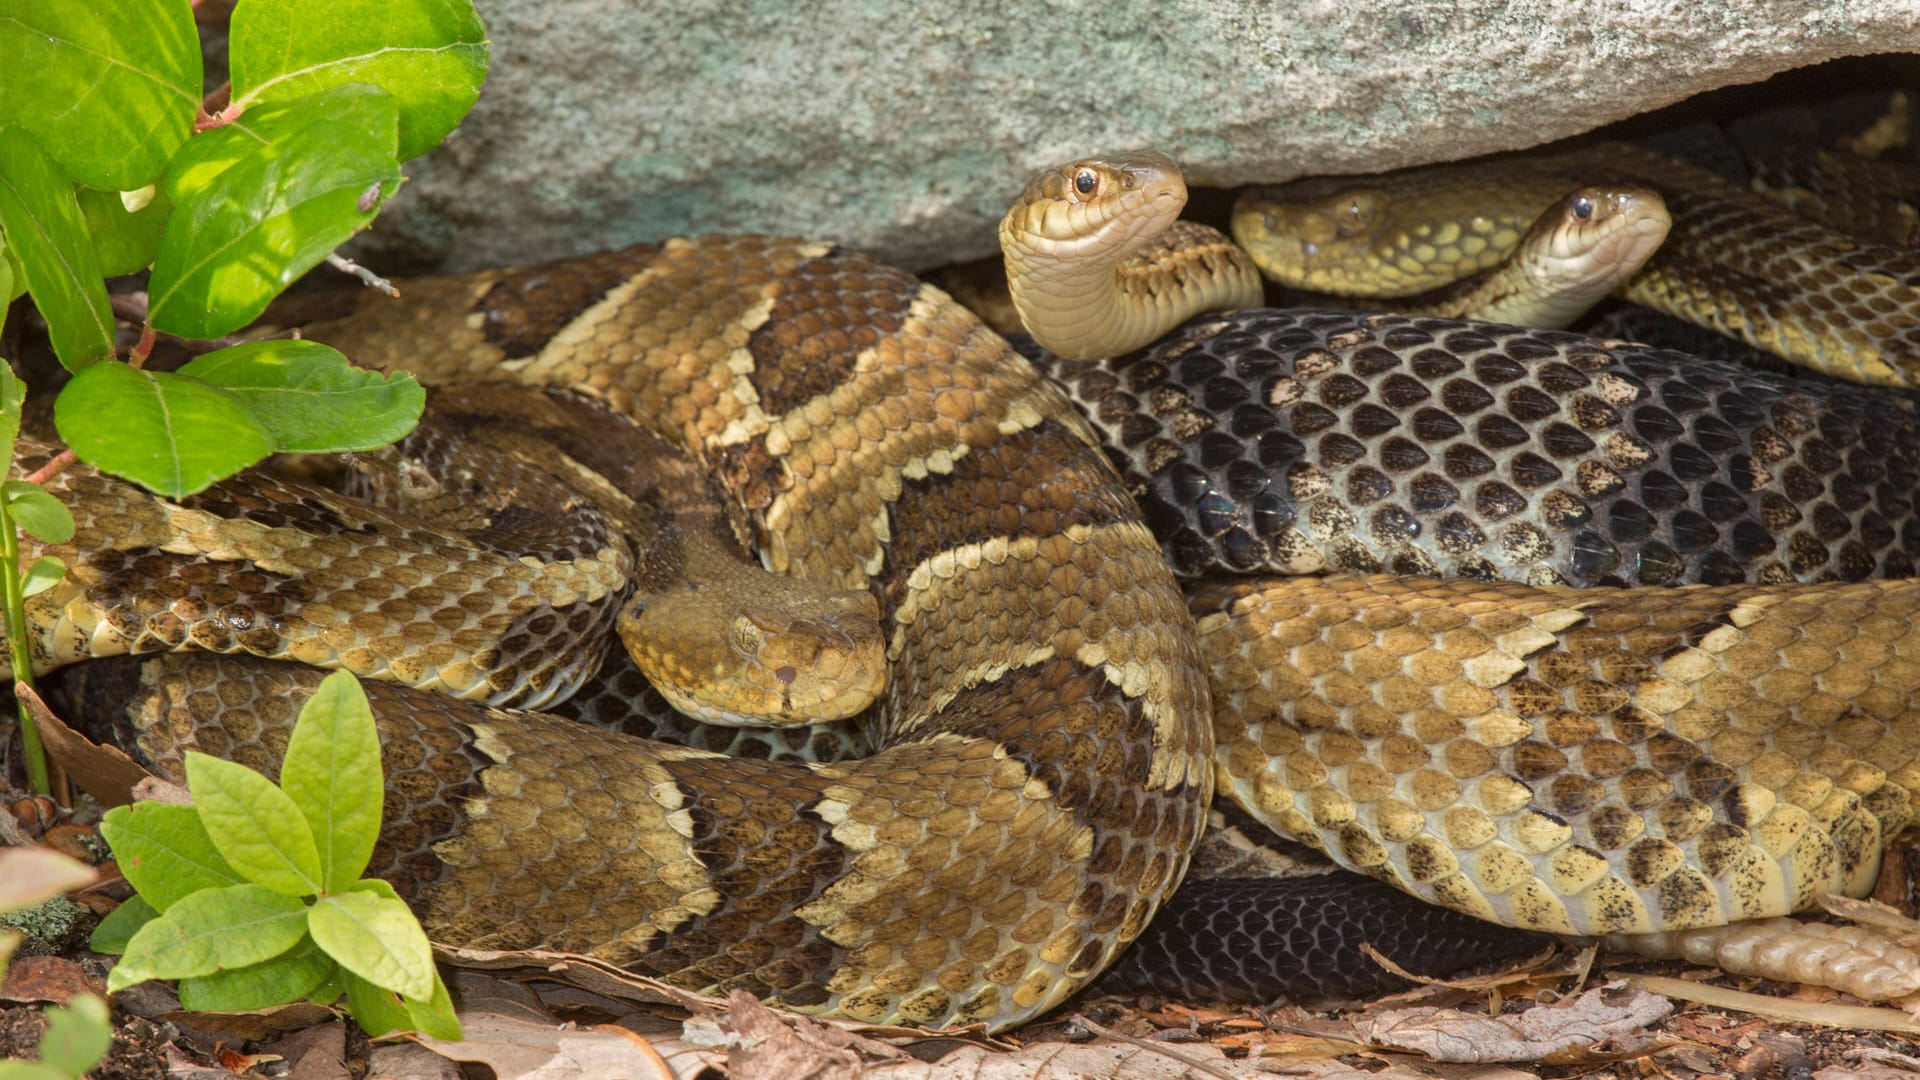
{"points": [[1634, 759], [1735, 260], [1047, 761]]}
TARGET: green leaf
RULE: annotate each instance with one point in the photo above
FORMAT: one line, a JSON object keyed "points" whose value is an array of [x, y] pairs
{"points": [[434, 1015], [77, 1036], [13, 395], [431, 55], [375, 937], [125, 241], [110, 89], [212, 930], [114, 931], [30, 1070], [44, 574], [259, 831], [13, 279], [258, 202], [331, 988], [332, 773], [170, 434], [46, 230], [38, 513], [310, 398], [165, 852], [285, 978], [377, 1010], [6, 279]]}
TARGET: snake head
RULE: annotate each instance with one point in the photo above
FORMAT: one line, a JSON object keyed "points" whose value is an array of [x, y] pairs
{"points": [[776, 652], [1103, 208], [1292, 232], [1595, 238]]}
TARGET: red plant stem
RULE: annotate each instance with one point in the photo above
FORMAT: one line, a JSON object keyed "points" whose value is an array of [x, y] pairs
{"points": [[142, 348], [52, 468]]}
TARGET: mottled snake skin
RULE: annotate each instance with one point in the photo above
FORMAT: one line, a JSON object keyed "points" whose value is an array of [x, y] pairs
{"points": [[1046, 755], [1635, 758], [1300, 441]]}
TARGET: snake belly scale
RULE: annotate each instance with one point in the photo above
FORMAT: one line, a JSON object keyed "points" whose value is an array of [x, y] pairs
{"points": [[1046, 748]]}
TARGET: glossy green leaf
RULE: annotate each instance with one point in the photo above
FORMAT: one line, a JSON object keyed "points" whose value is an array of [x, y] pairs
{"points": [[170, 434], [13, 396], [38, 513], [376, 1009], [124, 240], [286, 978], [258, 202], [310, 398], [30, 1070], [434, 1014], [110, 89], [431, 55], [13, 280], [46, 230], [332, 773], [212, 930], [119, 926], [165, 852], [77, 1036], [44, 574], [375, 937], [7, 278], [256, 827], [330, 988]]}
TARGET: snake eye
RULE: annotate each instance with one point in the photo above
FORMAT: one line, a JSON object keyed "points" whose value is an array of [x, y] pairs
{"points": [[1582, 207], [1085, 180]]}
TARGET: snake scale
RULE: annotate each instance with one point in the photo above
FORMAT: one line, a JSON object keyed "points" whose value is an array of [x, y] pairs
{"points": [[1736, 261], [1630, 759]]}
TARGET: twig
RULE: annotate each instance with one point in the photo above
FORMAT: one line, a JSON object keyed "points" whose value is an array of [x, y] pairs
{"points": [[371, 279], [1886, 1057], [1149, 1044], [52, 468], [142, 348]]}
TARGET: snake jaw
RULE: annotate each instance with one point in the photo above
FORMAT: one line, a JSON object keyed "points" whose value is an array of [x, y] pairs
{"points": [[1098, 262], [1590, 243]]}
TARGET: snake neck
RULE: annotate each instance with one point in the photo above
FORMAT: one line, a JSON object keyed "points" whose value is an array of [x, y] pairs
{"points": [[1086, 309]]}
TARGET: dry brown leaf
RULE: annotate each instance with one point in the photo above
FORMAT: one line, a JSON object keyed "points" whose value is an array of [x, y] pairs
{"points": [[1821, 1013], [1567, 1031], [314, 1053], [535, 966], [49, 978], [766, 1043], [571, 969], [409, 1061], [1057, 1061], [479, 992], [514, 1048], [31, 875], [181, 1066], [256, 1025], [104, 772], [154, 789], [1865, 1071]]}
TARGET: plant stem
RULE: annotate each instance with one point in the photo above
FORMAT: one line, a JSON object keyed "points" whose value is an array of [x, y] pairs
{"points": [[52, 468], [367, 277], [11, 596], [143, 348]]}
